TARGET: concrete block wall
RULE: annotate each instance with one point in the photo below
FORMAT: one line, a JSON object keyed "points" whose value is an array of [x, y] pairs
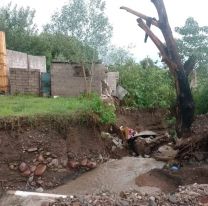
{"points": [[21, 60], [66, 82], [24, 81], [112, 80]]}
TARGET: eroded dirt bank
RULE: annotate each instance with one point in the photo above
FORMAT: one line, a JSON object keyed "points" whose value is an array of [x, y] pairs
{"points": [[56, 156], [47, 154]]}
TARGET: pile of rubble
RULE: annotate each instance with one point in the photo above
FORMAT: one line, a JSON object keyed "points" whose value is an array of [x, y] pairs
{"points": [[192, 195]]}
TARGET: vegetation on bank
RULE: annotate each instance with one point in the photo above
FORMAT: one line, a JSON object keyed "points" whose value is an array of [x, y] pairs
{"points": [[31, 106], [148, 86]]}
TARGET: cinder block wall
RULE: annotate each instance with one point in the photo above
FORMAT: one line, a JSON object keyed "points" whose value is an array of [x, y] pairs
{"points": [[24, 61], [24, 81], [68, 79]]}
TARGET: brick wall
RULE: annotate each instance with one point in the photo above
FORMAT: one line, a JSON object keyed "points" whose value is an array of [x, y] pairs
{"points": [[68, 79], [24, 81]]}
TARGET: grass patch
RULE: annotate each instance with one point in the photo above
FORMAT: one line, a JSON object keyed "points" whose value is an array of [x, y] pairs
{"points": [[30, 106]]}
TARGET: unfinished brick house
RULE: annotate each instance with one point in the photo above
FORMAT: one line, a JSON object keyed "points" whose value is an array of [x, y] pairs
{"points": [[68, 79]]}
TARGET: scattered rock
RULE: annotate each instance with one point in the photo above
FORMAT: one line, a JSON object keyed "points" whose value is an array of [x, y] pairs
{"points": [[84, 162], [48, 154], [41, 168], [91, 165], [40, 158], [73, 164], [30, 179], [12, 167], [172, 199], [152, 201], [64, 162], [23, 167], [33, 168], [40, 189], [106, 135], [49, 159], [33, 149], [40, 182], [54, 163], [54, 156], [26, 173]]}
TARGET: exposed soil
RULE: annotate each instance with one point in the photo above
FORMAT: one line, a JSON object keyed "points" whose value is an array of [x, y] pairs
{"points": [[149, 119], [27, 143], [62, 142], [62, 149]]}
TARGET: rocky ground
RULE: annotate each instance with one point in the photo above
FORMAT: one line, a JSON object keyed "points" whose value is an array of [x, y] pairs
{"points": [[192, 195]]}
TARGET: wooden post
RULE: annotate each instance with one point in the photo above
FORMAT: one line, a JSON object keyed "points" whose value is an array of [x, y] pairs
{"points": [[3, 65]]}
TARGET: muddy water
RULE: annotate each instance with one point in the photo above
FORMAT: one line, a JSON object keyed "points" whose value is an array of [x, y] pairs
{"points": [[114, 176]]}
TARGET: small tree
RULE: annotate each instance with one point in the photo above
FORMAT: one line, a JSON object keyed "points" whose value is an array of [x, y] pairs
{"points": [[170, 55]]}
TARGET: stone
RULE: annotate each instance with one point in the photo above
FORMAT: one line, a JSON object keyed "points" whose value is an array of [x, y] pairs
{"points": [[48, 154], [152, 201], [12, 167], [49, 159], [26, 173], [33, 168], [41, 168], [40, 158], [23, 167], [73, 164], [40, 182], [40, 189], [54, 156], [91, 165], [84, 162], [30, 179], [106, 135], [54, 163], [64, 162], [33, 149], [173, 199]]}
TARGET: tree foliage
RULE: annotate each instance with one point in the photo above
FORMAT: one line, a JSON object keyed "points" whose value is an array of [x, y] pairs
{"points": [[19, 27], [85, 20], [118, 56], [22, 35], [149, 87], [193, 41]]}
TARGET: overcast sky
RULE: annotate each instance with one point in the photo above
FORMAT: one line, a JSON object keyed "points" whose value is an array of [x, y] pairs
{"points": [[126, 32]]}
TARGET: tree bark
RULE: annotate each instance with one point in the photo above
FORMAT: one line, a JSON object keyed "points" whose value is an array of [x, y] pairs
{"points": [[170, 55]]}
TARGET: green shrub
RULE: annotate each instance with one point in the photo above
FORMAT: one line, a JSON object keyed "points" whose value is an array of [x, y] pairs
{"points": [[147, 87]]}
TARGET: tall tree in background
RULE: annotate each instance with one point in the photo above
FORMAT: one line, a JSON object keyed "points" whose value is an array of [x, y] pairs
{"points": [[170, 55], [85, 20], [193, 41], [19, 27]]}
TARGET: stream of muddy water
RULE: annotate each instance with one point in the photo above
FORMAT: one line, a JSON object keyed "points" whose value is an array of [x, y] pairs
{"points": [[113, 176]]}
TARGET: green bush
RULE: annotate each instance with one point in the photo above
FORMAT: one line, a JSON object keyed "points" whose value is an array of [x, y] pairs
{"points": [[148, 87]]}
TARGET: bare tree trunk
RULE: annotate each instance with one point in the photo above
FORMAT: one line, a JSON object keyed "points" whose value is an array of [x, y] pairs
{"points": [[168, 50]]}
